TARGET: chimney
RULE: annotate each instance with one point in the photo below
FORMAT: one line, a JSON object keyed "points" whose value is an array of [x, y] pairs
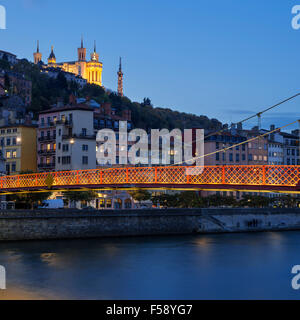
{"points": [[272, 135]]}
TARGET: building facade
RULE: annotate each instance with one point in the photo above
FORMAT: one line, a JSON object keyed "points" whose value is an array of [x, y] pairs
{"points": [[18, 146], [291, 148], [66, 139], [90, 70], [19, 85], [10, 57]]}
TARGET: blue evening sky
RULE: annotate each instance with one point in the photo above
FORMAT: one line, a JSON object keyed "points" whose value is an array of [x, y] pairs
{"points": [[224, 59]]}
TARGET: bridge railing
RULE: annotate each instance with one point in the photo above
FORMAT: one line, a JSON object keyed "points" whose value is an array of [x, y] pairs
{"points": [[218, 175]]}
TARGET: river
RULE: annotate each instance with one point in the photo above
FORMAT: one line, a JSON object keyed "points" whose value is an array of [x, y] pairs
{"points": [[224, 266]]}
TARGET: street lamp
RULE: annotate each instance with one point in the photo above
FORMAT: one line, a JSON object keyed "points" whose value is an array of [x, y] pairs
{"points": [[72, 141]]}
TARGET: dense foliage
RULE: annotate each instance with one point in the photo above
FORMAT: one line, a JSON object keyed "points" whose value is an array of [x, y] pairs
{"points": [[47, 91], [190, 199]]}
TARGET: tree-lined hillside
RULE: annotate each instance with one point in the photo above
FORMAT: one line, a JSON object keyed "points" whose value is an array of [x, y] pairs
{"points": [[47, 91]]}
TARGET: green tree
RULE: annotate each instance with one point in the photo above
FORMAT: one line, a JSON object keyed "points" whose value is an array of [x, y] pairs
{"points": [[255, 201], [83, 196], [166, 200], [29, 200], [140, 195], [4, 64], [190, 199]]}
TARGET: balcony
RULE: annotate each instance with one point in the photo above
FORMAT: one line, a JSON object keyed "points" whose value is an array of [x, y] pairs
{"points": [[68, 123], [47, 138], [78, 136], [50, 151], [46, 165], [47, 125]]}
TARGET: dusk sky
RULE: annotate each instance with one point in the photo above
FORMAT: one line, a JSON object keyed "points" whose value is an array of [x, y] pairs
{"points": [[224, 59]]}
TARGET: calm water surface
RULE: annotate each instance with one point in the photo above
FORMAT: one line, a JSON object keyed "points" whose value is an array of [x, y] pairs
{"points": [[230, 266]]}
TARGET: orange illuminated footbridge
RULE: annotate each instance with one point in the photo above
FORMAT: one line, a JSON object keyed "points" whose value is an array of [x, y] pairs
{"points": [[235, 178]]}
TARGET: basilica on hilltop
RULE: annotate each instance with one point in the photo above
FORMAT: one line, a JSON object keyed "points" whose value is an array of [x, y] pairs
{"points": [[91, 70]]}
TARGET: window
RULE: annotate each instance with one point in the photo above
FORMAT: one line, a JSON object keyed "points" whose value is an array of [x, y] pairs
{"points": [[59, 146], [8, 141], [14, 141], [13, 167], [48, 160], [48, 147], [243, 157], [58, 160], [217, 156], [66, 160], [85, 147], [59, 132], [65, 147], [237, 157], [231, 157], [85, 160], [8, 154], [14, 153], [84, 131]]}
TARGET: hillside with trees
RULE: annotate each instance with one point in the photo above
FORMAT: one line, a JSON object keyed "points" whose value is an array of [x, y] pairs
{"points": [[47, 91]]}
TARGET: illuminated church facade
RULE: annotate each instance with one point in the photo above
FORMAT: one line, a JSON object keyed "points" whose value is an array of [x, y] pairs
{"points": [[90, 70]]}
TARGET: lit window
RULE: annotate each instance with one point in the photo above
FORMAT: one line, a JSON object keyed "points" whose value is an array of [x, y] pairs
{"points": [[8, 155]]}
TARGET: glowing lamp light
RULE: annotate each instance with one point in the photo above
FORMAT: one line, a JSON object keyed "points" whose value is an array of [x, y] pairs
{"points": [[72, 141], [19, 139]]}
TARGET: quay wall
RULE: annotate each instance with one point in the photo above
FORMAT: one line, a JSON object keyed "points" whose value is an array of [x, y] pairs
{"points": [[72, 224]]}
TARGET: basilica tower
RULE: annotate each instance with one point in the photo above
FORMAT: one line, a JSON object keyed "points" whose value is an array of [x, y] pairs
{"points": [[81, 52], [82, 61], [52, 58], [94, 69], [37, 56], [120, 80]]}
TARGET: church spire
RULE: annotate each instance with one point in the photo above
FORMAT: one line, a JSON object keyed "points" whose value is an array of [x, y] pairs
{"points": [[37, 56], [95, 55], [52, 58], [120, 79], [81, 51]]}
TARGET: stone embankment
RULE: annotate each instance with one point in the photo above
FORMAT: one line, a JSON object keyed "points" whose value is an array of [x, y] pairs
{"points": [[72, 224]]}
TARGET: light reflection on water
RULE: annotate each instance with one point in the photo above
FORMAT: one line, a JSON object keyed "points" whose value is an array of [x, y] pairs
{"points": [[224, 266]]}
